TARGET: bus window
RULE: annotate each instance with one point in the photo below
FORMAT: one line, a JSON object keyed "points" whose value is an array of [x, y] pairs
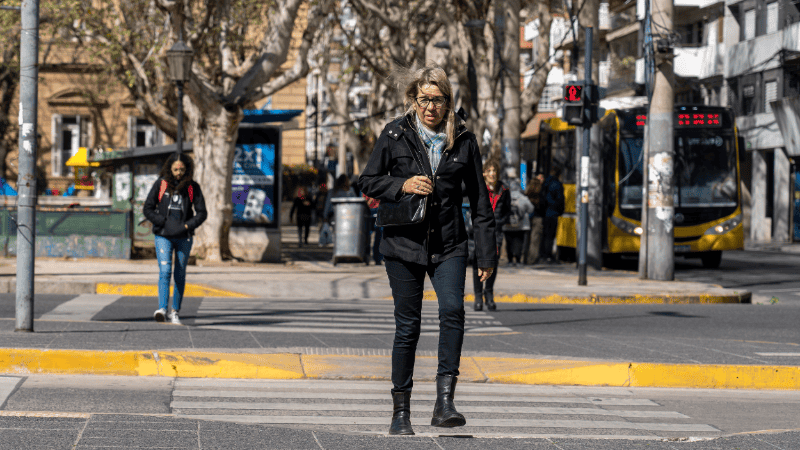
{"points": [[705, 168], [630, 173]]}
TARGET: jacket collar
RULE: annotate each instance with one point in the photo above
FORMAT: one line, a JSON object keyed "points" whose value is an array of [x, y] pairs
{"points": [[407, 124]]}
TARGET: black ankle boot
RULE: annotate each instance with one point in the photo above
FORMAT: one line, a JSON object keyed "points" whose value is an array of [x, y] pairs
{"points": [[490, 305], [444, 412], [401, 418], [478, 302]]}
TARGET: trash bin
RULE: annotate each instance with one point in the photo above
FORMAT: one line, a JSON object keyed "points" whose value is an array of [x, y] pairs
{"points": [[351, 230]]}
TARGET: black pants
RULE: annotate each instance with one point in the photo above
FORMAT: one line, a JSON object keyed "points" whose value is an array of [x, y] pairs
{"points": [[514, 242], [302, 235], [486, 286], [407, 281], [550, 226]]}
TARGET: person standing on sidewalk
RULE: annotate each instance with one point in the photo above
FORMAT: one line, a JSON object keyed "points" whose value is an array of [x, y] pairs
{"points": [[303, 206], [553, 196], [429, 151], [500, 200], [175, 206], [534, 194]]}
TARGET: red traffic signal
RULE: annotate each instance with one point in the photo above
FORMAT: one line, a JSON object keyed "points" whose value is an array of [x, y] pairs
{"points": [[573, 93]]}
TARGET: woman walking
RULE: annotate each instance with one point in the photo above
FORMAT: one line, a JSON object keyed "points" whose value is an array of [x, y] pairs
{"points": [[500, 199], [429, 152], [175, 207], [303, 206]]}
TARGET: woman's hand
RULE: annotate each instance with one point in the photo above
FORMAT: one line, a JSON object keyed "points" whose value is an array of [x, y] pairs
{"points": [[419, 184], [485, 273]]}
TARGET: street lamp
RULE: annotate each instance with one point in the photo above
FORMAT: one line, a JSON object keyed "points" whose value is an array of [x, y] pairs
{"points": [[179, 58]]}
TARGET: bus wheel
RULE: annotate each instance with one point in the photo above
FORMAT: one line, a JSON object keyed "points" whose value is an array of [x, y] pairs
{"points": [[711, 260]]}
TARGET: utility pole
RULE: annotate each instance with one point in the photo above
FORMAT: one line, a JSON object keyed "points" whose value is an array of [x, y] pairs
{"points": [[512, 126], [589, 17], [648, 81], [26, 186], [660, 198]]}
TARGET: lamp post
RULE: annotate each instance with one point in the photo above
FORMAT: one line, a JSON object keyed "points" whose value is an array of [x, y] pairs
{"points": [[179, 57]]}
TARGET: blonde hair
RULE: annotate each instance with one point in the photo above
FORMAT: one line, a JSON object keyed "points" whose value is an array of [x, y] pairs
{"points": [[410, 81]]}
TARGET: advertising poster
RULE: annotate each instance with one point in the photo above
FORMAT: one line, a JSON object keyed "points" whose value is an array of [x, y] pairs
{"points": [[253, 184]]}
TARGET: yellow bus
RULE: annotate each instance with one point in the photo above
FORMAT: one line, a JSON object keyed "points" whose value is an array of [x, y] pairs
{"points": [[708, 207]]}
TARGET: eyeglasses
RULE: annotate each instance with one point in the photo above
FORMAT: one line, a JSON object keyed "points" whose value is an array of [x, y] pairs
{"points": [[438, 102]]}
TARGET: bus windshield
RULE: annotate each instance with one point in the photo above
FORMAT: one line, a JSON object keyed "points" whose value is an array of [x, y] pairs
{"points": [[704, 167]]}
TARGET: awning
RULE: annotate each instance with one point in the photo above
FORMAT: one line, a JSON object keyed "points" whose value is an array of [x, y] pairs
{"points": [[80, 159], [270, 115], [532, 129]]}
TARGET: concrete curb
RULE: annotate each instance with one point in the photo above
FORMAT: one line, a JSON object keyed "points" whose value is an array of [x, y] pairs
{"points": [[285, 366]]}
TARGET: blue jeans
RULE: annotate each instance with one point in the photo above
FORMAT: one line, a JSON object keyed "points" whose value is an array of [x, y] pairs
{"points": [[164, 249], [407, 281]]}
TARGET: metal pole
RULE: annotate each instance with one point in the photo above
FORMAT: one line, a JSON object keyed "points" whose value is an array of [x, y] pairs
{"points": [[661, 250], [648, 64], [587, 126], [26, 186], [179, 141]]}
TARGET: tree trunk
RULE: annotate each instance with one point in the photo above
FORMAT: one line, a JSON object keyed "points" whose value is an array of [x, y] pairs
{"points": [[214, 141]]}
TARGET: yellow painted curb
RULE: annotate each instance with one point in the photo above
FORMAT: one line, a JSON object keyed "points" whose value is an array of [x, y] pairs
{"points": [[610, 300], [715, 376], [286, 366], [282, 366], [150, 290]]}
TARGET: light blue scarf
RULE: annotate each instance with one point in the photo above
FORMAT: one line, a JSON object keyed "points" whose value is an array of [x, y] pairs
{"points": [[434, 143]]}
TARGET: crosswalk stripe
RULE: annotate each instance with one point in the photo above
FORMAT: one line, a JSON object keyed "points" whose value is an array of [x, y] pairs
{"points": [[505, 423], [82, 307], [384, 386], [368, 316], [492, 410], [425, 409], [417, 397], [7, 386]]}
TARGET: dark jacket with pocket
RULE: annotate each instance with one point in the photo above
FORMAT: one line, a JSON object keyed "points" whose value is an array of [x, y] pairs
{"points": [[193, 212], [442, 233]]}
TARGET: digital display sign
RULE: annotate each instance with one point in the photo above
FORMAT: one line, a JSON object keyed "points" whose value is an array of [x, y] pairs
{"points": [[641, 119], [695, 120]]}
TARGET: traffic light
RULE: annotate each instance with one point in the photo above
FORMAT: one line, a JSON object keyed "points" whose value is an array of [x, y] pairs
{"points": [[573, 112]]}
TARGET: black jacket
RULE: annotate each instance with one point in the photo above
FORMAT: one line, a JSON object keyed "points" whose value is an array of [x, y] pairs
{"points": [[442, 234], [194, 212]]}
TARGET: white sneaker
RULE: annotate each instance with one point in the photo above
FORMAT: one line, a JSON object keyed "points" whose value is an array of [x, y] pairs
{"points": [[160, 315], [173, 317]]}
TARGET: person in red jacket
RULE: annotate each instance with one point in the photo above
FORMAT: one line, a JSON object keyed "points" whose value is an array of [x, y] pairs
{"points": [[500, 199], [175, 206]]}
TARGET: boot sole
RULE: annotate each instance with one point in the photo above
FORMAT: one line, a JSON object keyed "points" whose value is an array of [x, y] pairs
{"points": [[450, 423], [401, 434]]}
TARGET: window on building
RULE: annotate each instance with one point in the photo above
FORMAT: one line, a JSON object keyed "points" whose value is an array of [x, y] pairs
{"points": [[770, 94], [772, 17], [143, 133], [749, 24], [550, 93], [69, 134], [748, 99]]}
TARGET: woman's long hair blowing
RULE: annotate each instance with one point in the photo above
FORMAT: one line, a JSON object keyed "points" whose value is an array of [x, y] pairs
{"points": [[174, 185], [409, 81]]}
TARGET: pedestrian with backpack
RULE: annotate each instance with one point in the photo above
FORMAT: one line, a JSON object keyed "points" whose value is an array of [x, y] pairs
{"points": [[553, 199], [518, 225], [175, 206]]}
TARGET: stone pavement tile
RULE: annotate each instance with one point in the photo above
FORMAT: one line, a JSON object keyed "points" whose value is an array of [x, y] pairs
{"points": [[91, 400], [138, 437], [36, 439], [460, 443], [42, 305], [783, 441], [335, 441], [234, 340], [223, 435]]}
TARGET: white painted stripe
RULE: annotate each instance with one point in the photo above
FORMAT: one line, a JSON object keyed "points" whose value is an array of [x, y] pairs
{"points": [[512, 423], [790, 354], [423, 397], [385, 386], [82, 307], [424, 409], [288, 328], [7, 386]]}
